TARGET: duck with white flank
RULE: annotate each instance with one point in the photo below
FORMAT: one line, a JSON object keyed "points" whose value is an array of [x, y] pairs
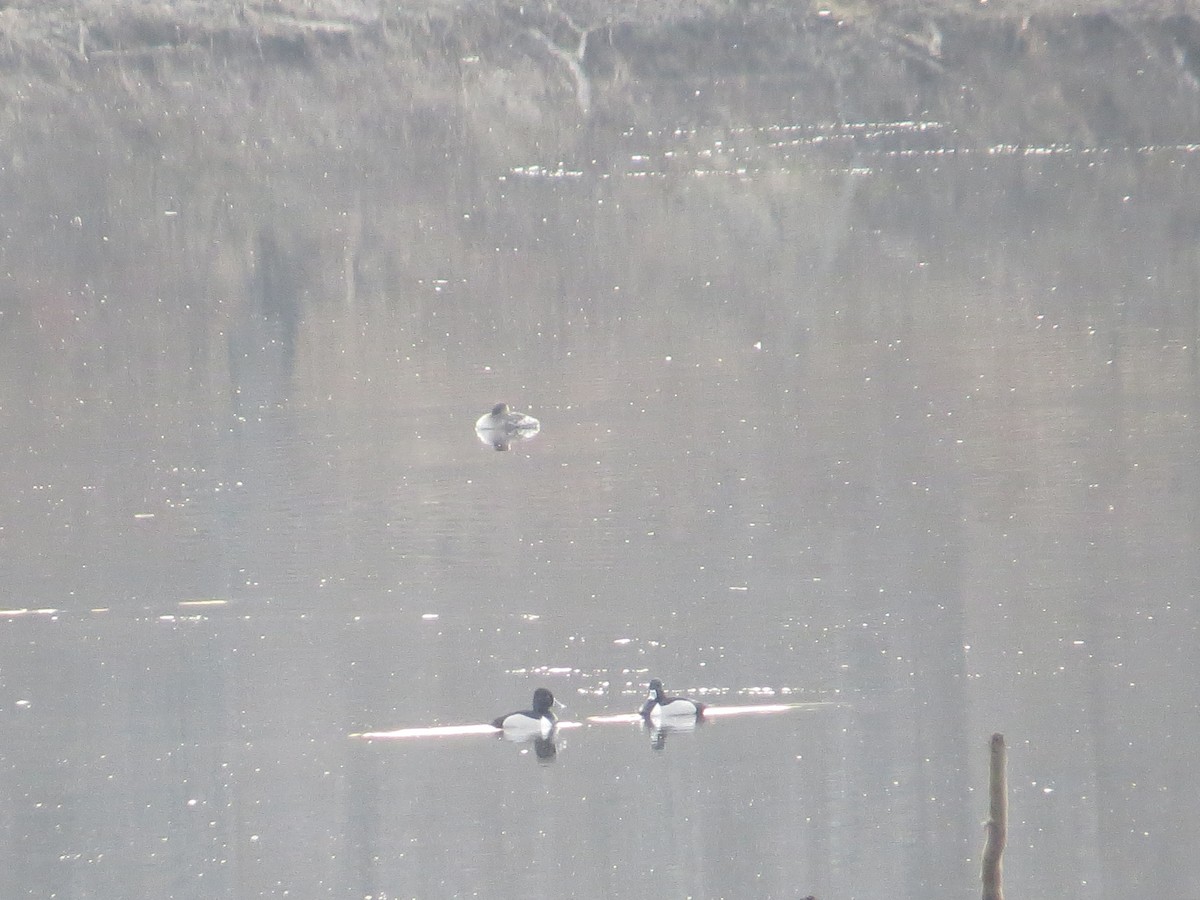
{"points": [[502, 426], [659, 706], [540, 719]]}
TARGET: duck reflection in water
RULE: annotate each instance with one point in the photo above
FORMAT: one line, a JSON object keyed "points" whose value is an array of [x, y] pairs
{"points": [[659, 730], [545, 746], [502, 426]]}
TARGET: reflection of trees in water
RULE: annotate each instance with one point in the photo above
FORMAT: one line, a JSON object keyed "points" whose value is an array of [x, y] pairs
{"points": [[321, 198], [262, 339]]}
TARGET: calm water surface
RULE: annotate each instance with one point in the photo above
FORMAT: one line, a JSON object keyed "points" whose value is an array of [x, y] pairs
{"points": [[911, 434]]}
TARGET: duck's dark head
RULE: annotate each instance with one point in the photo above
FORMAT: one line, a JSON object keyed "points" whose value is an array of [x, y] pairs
{"points": [[542, 701], [656, 687], [500, 409]]}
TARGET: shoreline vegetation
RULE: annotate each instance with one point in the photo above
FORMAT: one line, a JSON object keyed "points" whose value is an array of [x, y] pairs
{"points": [[260, 157], [534, 75]]}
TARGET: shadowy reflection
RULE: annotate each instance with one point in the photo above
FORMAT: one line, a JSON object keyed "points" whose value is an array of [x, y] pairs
{"points": [[659, 730], [500, 441], [545, 749]]}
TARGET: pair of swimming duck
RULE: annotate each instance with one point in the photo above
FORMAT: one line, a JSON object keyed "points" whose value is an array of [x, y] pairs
{"points": [[658, 705]]}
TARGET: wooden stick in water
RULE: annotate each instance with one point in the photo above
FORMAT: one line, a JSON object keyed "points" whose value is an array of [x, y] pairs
{"points": [[996, 827]]}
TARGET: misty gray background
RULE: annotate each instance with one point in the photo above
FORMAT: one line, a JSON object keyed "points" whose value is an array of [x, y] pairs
{"points": [[864, 348]]}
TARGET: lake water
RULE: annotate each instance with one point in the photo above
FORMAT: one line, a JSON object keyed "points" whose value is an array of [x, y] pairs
{"points": [[848, 415]]}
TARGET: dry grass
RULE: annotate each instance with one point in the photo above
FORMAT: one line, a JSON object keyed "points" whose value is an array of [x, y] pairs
{"points": [[505, 79]]}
